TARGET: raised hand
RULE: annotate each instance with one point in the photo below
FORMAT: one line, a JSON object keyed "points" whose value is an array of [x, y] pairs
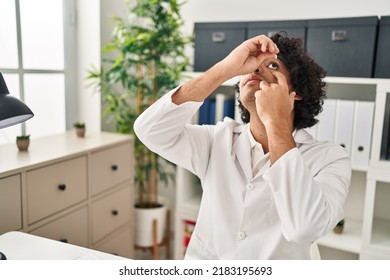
{"points": [[249, 55], [274, 102]]}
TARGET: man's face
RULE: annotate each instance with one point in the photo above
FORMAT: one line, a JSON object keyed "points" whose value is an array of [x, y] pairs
{"points": [[249, 84]]}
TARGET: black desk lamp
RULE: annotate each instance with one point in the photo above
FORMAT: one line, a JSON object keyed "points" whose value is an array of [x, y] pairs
{"points": [[12, 111]]}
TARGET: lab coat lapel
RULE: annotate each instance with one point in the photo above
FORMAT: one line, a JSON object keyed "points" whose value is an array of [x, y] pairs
{"points": [[242, 152], [301, 136], [242, 148]]}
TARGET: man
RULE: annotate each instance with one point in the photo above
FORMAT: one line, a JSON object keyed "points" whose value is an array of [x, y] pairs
{"points": [[269, 189]]}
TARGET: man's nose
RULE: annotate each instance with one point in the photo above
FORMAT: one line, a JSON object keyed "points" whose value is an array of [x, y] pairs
{"points": [[259, 70]]}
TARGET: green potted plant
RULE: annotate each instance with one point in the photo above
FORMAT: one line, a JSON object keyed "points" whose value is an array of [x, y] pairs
{"points": [[23, 142], [150, 60], [80, 128]]}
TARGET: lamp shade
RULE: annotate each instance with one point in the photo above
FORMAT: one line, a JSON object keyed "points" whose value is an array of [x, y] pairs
{"points": [[12, 110]]}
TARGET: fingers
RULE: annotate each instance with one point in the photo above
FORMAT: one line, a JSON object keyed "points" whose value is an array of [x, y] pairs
{"points": [[270, 46], [263, 85], [280, 78], [262, 44], [266, 44], [282, 81], [249, 55]]}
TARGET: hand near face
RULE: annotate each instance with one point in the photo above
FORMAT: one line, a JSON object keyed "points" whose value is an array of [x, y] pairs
{"points": [[274, 101], [249, 55]]}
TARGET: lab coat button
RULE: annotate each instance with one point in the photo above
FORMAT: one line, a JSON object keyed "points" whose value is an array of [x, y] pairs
{"points": [[242, 235], [250, 187]]}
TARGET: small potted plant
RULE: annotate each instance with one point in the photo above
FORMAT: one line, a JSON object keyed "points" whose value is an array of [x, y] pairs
{"points": [[339, 227], [80, 128], [23, 141]]}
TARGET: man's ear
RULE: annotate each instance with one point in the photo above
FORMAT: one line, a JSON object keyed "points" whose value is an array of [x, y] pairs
{"points": [[297, 97]]}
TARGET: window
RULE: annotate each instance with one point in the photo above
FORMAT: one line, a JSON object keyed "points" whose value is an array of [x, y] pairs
{"points": [[36, 47]]}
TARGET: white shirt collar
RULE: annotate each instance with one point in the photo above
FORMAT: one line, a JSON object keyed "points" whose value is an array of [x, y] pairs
{"points": [[252, 140], [298, 136]]}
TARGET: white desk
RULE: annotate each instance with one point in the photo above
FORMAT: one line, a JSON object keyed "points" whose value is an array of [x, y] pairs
{"points": [[17, 245]]}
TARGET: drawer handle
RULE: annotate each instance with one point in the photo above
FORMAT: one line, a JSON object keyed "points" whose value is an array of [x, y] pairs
{"points": [[218, 37], [62, 187], [114, 167], [339, 35], [115, 212], [64, 240], [360, 148]]}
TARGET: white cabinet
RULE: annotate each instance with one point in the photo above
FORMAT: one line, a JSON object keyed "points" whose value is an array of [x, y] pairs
{"points": [[109, 167], [75, 190], [10, 203], [60, 185], [111, 212], [120, 244], [376, 231], [356, 119], [71, 228], [366, 211]]}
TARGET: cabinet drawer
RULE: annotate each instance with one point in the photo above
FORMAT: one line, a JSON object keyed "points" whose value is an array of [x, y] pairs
{"points": [[72, 228], [120, 244], [10, 204], [111, 212], [110, 167], [55, 187], [293, 28], [337, 45], [214, 41], [382, 61]]}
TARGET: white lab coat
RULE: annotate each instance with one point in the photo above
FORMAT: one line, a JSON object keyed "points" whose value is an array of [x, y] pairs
{"points": [[278, 213]]}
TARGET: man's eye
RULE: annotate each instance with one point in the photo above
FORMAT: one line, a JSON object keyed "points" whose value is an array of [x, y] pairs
{"points": [[273, 66]]}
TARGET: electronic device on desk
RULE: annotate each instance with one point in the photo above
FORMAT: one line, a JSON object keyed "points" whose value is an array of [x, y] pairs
{"points": [[2, 256]]}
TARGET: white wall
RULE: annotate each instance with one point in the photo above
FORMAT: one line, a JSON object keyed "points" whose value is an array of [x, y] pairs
{"points": [[94, 25], [248, 10], [88, 53]]}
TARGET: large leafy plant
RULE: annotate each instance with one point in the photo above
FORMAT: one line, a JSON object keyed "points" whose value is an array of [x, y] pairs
{"points": [[149, 60]]}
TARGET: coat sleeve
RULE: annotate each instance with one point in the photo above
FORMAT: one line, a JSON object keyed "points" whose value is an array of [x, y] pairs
{"points": [[166, 130], [310, 205]]}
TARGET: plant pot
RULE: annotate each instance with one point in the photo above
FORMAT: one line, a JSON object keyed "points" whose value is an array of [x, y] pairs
{"points": [[23, 144], [80, 131], [144, 225]]}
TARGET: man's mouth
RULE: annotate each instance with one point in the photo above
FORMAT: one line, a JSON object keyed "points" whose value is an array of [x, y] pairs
{"points": [[253, 79]]}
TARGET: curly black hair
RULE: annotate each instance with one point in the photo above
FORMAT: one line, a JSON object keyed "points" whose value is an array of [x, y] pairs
{"points": [[306, 79]]}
